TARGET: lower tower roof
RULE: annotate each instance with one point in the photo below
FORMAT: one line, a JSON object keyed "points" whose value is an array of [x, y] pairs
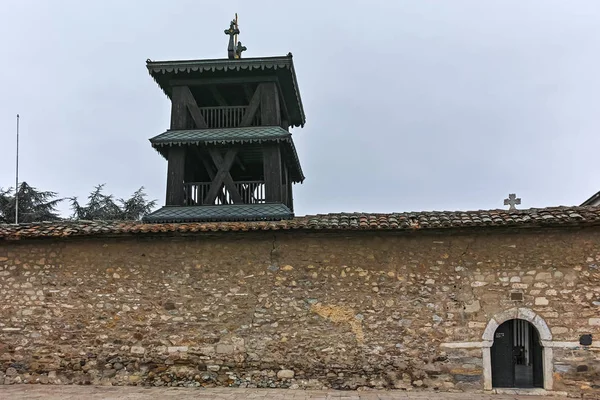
{"points": [[225, 212]]}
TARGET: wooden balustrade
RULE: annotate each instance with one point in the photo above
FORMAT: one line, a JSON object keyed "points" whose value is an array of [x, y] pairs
{"points": [[251, 192], [226, 117]]}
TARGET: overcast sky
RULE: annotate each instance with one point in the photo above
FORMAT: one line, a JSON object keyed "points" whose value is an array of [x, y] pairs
{"points": [[410, 105]]}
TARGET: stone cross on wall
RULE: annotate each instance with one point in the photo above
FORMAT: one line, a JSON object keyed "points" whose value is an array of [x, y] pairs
{"points": [[512, 201]]}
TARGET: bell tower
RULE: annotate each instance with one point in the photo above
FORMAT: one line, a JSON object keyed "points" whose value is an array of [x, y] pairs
{"points": [[229, 151]]}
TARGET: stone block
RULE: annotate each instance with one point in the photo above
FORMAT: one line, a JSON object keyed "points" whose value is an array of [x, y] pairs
{"points": [[476, 325], [594, 321], [137, 350], [491, 327], [177, 349], [543, 276], [526, 314], [478, 284], [468, 378], [472, 307], [225, 349], [542, 327], [285, 374], [541, 301], [557, 330], [511, 313]]}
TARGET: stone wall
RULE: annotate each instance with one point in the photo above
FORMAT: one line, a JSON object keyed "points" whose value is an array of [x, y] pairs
{"points": [[291, 309]]}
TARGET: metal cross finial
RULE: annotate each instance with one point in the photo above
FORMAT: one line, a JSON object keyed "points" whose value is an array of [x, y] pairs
{"points": [[512, 201], [234, 51], [238, 50]]}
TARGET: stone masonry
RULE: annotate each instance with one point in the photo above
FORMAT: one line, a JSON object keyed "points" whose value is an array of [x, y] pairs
{"points": [[76, 392], [342, 310]]}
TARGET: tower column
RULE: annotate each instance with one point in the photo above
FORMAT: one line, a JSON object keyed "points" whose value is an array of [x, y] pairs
{"points": [[270, 112], [175, 176], [272, 172]]}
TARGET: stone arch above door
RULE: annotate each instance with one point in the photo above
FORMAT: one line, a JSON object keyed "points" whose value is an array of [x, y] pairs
{"points": [[543, 331], [517, 313]]}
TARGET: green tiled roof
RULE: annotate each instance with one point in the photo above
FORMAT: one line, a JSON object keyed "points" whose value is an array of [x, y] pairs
{"points": [[280, 67], [231, 212], [254, 134]]}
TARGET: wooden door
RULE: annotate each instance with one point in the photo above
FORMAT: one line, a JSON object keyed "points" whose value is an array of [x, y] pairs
{"points": [[503, 367], [537, 359]]}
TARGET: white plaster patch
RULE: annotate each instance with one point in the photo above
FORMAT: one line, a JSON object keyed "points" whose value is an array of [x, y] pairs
{"points": [[462, 345]]}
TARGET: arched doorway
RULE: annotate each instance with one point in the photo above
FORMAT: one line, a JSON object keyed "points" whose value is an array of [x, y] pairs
{"points": [[516, 355]]}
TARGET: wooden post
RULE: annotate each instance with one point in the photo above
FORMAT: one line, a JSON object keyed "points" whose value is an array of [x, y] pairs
{"points": [[175, 176], [270, 111], [290, 196], [179, 112], [185, 113], [272, 172], [284, 183]]}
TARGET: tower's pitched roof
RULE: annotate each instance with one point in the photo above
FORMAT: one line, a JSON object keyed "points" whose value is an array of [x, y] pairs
{"points": [[246, 135], [280, 68], [221, 212], [592, 201]]}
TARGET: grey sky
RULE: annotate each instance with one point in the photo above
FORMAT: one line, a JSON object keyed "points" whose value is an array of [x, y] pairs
{"points": [[410, 105]]}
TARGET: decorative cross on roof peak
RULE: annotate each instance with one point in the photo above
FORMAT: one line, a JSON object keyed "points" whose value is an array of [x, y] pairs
{"points": [[512, 201], [235, 48]]}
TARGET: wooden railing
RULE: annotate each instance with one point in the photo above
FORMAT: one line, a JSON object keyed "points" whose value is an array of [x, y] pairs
{"points": [[251, 192], [227, 117]]}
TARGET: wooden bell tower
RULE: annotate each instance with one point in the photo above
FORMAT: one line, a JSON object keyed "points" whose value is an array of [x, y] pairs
{"points": [[229, 150]]}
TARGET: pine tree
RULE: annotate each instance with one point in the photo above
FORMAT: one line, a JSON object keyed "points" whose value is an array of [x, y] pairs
{"points": [[136, 206], [104, 207], [34, 205]]}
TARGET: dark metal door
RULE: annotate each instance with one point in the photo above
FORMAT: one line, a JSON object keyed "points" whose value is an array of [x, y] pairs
{"points": [[537, 360], [503, 368]]}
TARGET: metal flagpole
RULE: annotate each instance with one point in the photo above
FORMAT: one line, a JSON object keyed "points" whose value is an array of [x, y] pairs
{"points": [[17, 178]]}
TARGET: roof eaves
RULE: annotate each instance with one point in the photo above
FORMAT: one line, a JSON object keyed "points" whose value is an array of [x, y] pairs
{"points": [[558, 217], [176, 66], [158, 142], [591, 200]]}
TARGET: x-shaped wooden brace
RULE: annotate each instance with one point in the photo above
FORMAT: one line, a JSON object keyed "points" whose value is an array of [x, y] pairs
{"points": [[223, 176]]}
